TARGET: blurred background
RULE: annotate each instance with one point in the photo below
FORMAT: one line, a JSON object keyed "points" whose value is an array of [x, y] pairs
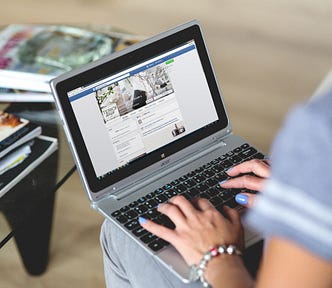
{"points": [[268, 55]]}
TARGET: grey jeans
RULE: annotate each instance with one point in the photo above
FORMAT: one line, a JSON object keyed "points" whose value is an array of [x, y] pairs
{"points": [[126, 264]]}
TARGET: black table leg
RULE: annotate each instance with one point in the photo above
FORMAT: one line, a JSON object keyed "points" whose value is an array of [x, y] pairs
{"points": [[28, 208]]}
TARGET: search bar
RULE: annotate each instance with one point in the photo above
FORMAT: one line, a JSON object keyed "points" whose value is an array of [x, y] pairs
{"points": [[112, 81]]}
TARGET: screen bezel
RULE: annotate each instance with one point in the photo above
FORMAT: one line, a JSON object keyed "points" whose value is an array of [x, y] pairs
{"points": [[113, 65]]}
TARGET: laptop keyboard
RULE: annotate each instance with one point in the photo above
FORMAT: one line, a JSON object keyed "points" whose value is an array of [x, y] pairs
{"points": [[202, 182]]}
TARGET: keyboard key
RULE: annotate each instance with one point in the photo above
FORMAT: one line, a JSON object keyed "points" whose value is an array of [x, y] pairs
{"points": [[193, 192], [231, 203], [161, 198], [226, 164], [132, 225], [151, 203], [122, 219], [131, 214], [217, 168], [208, 173], [180, 188], [235, 159], [167, 186], [141, 209], [216, 200], [199, 178], [116, 213], [157, 245], [259, 156], [189, 183], [140, 231], [148, 238], [175, 182], [202, 187], [153, 213], [133, 204], [125, 209], [213, 192], [247, 153], [170, 193], [221, 177], [151, 195], [237, 150], [211, 182]]}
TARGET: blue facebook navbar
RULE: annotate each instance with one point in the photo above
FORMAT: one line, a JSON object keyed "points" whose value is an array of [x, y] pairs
{"points": [[131, 73]]}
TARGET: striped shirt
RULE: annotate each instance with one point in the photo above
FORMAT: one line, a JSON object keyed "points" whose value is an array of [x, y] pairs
{"points": [[296, 202]]}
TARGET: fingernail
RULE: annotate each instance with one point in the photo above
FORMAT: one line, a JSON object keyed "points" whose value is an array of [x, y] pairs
{"points": [[142, 220], [241, 199], [229, 169], [223, 181]]}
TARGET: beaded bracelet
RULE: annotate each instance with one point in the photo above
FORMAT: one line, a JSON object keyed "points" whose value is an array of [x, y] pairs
{"points": [[197, 271]]}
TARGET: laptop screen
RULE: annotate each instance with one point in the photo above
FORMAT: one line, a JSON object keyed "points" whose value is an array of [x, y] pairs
{"points": [[143, 108], [138, 114]]}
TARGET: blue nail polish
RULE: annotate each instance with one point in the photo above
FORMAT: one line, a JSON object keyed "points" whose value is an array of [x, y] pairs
{"points": [[229, 169], [142, 220], [223, 181], [241, 199]]}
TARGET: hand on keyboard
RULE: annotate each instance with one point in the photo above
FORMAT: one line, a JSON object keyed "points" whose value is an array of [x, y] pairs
{"points": [[248, 175], [198, 227]]}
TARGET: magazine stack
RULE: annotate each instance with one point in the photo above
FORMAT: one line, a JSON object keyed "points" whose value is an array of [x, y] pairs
{"points": [[32, 54], [18, 138]]}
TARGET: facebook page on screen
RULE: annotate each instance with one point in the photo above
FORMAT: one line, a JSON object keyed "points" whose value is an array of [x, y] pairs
{"points": [[141, 109]]}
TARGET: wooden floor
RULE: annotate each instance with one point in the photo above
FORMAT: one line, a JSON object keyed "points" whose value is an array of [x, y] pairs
{"points": [[268, 55]]}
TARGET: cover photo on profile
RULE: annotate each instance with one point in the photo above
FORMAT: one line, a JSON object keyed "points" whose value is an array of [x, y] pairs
{"points": [[134, 92]]}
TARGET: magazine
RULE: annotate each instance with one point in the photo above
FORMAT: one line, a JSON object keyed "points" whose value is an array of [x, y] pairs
{"points": [[35, 152], [18, 95], [15, 131], [31, 55]]}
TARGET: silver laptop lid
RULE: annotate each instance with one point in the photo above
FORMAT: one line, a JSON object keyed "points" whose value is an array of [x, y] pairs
{"points": [[141, 109]]}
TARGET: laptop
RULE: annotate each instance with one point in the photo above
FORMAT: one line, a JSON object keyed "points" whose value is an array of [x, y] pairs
{"points": [[147, 123]]}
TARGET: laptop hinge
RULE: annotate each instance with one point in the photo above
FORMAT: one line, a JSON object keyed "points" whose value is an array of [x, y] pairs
{"points": [[125, 191]]}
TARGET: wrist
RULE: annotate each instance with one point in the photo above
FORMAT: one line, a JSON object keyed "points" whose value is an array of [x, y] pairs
{"points": [[198, 271], [228, 271]]}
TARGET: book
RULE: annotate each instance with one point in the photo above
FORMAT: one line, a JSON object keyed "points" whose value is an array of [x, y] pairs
{"points": [[31, 55], [41, 148], [15, 131]]}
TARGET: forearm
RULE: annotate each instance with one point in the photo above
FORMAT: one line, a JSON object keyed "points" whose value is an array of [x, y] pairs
{"points": [[228, 271]]}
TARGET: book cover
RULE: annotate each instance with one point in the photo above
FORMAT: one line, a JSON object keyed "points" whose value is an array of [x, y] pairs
{"points": [[41, 148], [14, 131], [31, 55]]}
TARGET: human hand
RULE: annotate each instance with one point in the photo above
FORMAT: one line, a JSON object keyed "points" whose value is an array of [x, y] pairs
{"points": [[198, 227], [250, 175]]}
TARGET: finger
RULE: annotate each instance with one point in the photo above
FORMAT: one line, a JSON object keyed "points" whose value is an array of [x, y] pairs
{"points": [[256, 166], [235, 219], [245, 181], [172, 212], [232, 215], [184, 205], [203, 204], [245, 199], [160, 231]]}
